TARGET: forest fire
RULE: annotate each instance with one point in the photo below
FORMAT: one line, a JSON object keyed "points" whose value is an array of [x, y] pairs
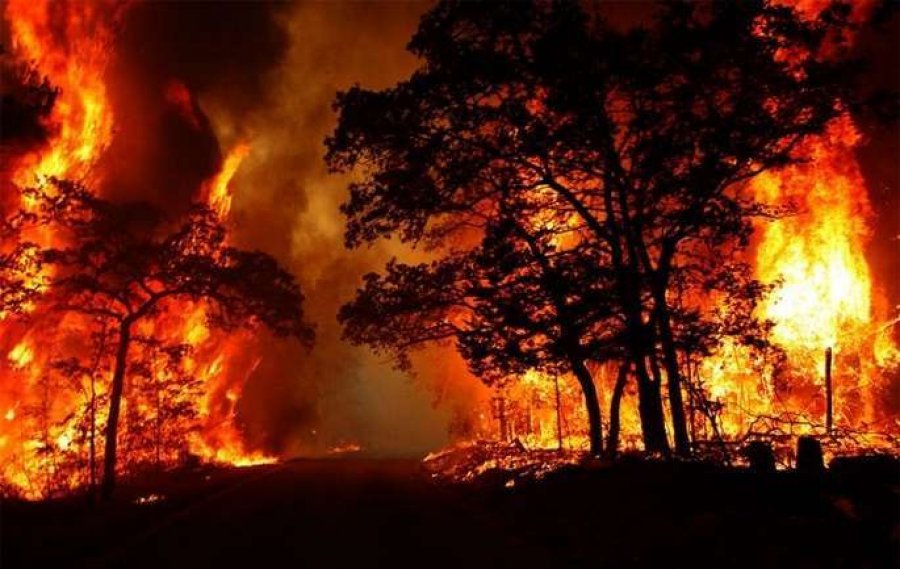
{"points": [[52, 423], [517, 283], [188, 375], [825, 306], [81, 116], [826, 299]]}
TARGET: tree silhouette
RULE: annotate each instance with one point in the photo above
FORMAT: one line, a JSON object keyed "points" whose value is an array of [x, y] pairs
{"points": [[26, 99], [646, 139], [123, 264], [515, 303], [545, 307]]}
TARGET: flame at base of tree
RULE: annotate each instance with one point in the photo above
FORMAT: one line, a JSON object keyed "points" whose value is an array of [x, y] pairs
{"points": [[181, 401]]}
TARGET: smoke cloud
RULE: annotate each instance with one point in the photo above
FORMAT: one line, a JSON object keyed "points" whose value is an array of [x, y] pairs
{"points": [[192, 81]]}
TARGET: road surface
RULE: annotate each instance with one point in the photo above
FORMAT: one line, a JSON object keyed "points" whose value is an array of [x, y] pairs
{"points": [[361, 513], [330, 513]]}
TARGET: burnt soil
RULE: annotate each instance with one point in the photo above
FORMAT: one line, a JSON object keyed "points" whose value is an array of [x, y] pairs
{"points": [[359, 512]]}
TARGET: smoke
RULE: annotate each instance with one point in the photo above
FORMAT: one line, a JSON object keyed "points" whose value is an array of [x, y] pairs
{"points": [[192, 81], [166, 53]]}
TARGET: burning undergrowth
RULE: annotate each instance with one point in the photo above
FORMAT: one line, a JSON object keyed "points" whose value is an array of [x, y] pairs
{"points": [[509, 464], [493, 461]]}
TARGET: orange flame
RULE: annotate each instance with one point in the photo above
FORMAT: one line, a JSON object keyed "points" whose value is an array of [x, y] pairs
{"points": [[81, 121], [70, 44], [219, 188], [826, 298]]}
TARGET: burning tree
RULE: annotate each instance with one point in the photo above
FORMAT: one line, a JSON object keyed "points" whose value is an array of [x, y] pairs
{"points": [[26, 99], [645, 139], [58, 124], [17, 270], [515, 303], [123, 265]]}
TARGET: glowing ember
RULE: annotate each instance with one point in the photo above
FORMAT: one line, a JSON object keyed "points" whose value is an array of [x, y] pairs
{"points": [[149, 499], [346, 448]]}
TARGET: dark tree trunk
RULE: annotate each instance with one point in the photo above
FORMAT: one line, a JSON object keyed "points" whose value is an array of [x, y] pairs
{"points": [[692, 406], [658, 282], [673, 374], [650, 409], [595, 426], [115, 403], [612, 438], [92, 463], [559, 433], [158, 430], [628, 283], [829, 393], [595, 432]]}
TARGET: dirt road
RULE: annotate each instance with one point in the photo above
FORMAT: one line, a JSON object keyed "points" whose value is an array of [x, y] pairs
{"points": [[360, 513], [329, 513]]}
